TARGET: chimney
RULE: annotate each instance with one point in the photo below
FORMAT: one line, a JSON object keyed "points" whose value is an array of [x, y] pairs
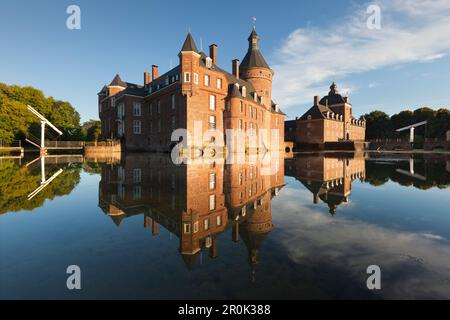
{"points": [[154, 72], [235, 67], [147, 79], [213, 53], [316, 100]]}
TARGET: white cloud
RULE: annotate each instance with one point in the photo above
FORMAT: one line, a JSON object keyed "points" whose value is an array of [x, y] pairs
{"points": [[310, 58], [313, 238]]}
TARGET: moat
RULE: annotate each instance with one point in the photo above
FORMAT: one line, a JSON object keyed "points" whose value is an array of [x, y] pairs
{"points": [[142, 227]]}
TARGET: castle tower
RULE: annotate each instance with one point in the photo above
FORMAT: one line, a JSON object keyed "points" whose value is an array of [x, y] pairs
{"points": [[189, 63], [255, 70]]}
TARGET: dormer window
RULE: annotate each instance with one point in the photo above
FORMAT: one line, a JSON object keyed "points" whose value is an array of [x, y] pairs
{"points": [[208, 62], [167, 81], [244, 91], [255, 96]]}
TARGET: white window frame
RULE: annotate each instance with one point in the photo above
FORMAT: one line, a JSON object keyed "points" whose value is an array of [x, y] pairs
{"points": [[212, 122], [195, 78], [219, 83], [212, 181], [207, 80], [137, 109], [212, 202], [212, 102], [137, 175], [137, 127], [187, 228], [219, 220], [187, 77], [206, 224], [173, 102]]}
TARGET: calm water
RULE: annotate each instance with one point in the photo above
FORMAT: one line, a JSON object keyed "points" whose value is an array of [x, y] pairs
{"points": [[143, 227]]}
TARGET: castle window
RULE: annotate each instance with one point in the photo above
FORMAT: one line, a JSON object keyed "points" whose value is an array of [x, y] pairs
{"points": [[251, 111], [212, 122], [212, 202], [167, 81], [244, 91], [187, 77], [177, 77], [136, 109], [195, 78], [137, 175], [173, 102], [212, 181], [113, 101], [137, 126], [240, 124], [242, 106], [207, 80], [206, 224], [219, 221], [219, 83], [195, 226], [158, 107], [137, 192], [208, 61], [212, 102], [187, 228], [121, 111], [150, 108]]}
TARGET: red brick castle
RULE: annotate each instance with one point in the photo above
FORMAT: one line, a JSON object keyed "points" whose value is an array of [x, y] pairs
{"points": [[144, 116]]}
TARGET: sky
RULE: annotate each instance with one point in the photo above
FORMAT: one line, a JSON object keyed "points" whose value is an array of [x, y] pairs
{"points": [[404, 64]]}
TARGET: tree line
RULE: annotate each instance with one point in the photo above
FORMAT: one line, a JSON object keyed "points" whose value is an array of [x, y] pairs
{"points": [[17, 123], [379, 125]]}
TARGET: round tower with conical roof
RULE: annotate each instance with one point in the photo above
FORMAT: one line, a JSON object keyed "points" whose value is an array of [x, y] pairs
{"points": [[255, 70]]}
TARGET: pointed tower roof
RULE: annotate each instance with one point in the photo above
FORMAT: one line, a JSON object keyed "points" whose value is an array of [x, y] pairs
{"points": [[253, 58], [118, 82], [189, 44]]}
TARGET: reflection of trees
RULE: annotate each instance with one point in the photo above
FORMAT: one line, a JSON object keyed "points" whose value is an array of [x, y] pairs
{"points": [[17, 182], [435, 172]]}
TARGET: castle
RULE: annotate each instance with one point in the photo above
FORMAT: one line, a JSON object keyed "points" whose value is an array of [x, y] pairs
{"points": [[194, 92], [328, 124]]}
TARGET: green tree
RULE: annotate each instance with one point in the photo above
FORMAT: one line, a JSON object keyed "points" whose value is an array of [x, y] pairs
{"points": [[91, 130], [17, 122], [378, 125]]}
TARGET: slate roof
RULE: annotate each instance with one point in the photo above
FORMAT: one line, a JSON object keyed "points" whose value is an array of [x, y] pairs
{"points": [[333, 97], [189, 44], [118, 82], [253, 58]]}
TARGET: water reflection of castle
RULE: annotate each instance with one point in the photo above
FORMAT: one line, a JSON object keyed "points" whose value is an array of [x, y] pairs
{"points": [[196, 202], [328, 177]]}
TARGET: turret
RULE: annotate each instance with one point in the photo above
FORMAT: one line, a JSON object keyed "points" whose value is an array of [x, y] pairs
{"points": [[255, 70], [189, 62]]}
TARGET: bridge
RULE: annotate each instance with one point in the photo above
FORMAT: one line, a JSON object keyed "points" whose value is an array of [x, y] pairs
{"points": [[390, 144]]}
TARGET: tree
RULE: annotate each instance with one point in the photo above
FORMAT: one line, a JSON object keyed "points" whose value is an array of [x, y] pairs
{"points": [[17, 122], [378, 125], [91, 130]]}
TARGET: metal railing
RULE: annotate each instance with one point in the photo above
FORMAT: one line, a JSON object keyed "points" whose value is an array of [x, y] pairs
{"points": [[64, 144], [12, 144]]}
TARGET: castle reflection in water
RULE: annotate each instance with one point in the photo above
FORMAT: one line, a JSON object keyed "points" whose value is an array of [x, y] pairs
{"points": [[199, 201]]}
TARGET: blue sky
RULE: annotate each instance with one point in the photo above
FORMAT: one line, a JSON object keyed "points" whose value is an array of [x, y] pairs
{"points": [[309, 44]]}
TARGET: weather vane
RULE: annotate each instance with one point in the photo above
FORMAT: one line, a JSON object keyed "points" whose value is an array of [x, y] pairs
{"points": [[254, 22]]}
